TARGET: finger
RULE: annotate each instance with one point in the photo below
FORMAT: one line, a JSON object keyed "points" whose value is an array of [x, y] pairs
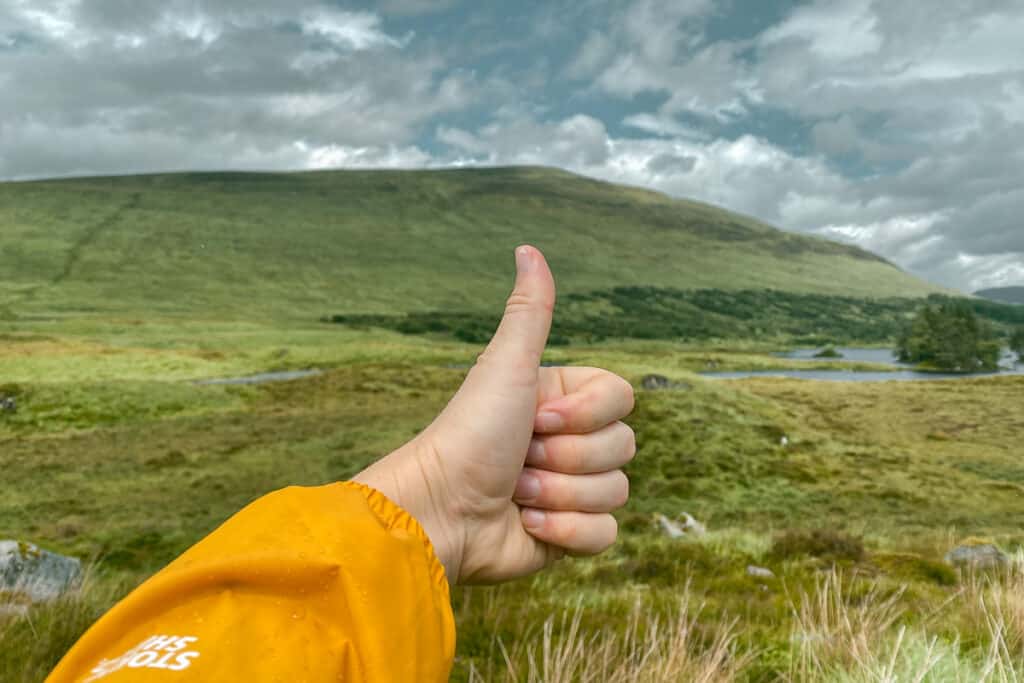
{"points": [[599, 401], [579, 533], [601, 492], [609, 448], [519, 342]]}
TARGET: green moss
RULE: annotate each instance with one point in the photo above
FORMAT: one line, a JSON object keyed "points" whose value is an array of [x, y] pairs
{"points": [[828, 544], [910, 568]]}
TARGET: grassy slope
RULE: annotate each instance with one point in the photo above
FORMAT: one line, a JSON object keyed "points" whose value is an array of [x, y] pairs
{"points": [[111, 454], [114, 454], [230, 245]]}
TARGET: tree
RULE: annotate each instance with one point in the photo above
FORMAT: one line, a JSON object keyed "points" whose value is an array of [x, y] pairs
{"points": [[950, 337], [1017, 343]]}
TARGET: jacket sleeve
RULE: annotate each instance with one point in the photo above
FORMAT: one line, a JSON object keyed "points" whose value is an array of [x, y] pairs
{"points": [[330, 583]]}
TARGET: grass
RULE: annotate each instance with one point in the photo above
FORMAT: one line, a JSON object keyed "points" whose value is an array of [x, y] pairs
{"points": [[116, 294], [308, 244], [114, 454]]}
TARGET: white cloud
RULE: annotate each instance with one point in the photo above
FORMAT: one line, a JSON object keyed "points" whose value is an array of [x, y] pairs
{"points": [[833, 29], [355, 30], [340, 156], [663, 125]]}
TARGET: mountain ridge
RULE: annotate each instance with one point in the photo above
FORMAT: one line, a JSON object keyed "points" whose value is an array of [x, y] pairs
{"points": [[1006, 295]]}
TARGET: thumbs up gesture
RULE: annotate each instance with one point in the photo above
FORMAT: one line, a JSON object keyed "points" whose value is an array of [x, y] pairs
{"points": [[522, 466]]}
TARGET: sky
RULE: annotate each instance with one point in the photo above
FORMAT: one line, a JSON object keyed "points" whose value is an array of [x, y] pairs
{"points": [[896, 125]]}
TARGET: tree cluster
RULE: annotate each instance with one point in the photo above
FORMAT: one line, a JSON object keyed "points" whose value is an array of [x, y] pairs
{"points": [[1017, 343], [949, 336]]}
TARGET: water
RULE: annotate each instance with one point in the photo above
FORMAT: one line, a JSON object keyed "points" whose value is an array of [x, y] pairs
{"points": [[262, 377], [880, 356], [851, 376]]}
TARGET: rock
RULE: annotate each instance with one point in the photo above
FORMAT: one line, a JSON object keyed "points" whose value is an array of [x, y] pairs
{"points": [[692, 526], [652, 382], [670, 528], [34, 574], [655, 382], [784, 441], [683, 525], [8, 404], [979, 556], [760, 572]]}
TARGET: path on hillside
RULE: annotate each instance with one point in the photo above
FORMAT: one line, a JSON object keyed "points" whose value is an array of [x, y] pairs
{"points": [[90, 235]]}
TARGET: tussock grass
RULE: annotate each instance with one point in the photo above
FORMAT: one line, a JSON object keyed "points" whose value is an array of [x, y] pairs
{"points": [[114, 453], [650, 648], [34, 638]]}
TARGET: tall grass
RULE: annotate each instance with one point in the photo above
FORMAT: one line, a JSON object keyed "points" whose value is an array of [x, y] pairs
{"points": [[33, 640], [650, 648], [842, 635]]}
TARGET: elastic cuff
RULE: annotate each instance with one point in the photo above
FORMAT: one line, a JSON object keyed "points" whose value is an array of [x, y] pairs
{"points": [[392, 516]]}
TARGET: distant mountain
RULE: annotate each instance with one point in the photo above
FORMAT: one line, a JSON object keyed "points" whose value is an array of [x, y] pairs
{"points": [[305, 244], [1006, 295]]}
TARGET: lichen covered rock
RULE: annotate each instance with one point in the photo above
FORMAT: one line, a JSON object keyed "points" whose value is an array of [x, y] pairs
{"points": [[31, 573]]}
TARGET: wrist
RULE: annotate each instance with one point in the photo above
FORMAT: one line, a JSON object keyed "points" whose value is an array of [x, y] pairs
{"points": [[411, 477]]}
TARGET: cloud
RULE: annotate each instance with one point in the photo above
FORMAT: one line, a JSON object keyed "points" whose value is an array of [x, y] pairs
{"points": [[414, 7], [355, 30], [898, 126], [834, 31], [229, 84]]}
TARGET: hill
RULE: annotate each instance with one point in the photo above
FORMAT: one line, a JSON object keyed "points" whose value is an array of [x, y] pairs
{"points": [[384, 242], [1006, 295]]}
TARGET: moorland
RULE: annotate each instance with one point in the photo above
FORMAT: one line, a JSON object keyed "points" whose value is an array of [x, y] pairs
{"points": [[117, 295]]}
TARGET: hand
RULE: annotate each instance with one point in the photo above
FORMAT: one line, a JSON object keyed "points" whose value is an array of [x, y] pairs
{"points": [[463, 477]]}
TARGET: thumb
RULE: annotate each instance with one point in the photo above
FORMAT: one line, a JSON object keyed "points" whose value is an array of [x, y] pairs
{"points": [[519, 343]]}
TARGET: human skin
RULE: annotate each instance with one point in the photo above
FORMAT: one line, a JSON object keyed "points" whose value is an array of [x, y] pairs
{"points": [[523, 464]]}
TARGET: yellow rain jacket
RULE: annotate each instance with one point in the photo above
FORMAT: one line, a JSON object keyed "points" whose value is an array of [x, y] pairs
{"points": [[331, 583]]}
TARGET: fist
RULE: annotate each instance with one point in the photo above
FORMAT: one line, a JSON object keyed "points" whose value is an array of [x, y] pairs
{"points": [[523, 464]]}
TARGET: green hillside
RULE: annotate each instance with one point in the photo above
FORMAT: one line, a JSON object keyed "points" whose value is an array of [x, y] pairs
{"points": [[306, 244]]}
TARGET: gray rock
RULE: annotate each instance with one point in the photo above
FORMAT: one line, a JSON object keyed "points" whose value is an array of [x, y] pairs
{"points": [[34, 574], [691, 525], [760, 572], [981, 556], [8, 404], [668, 527], [652, 382], [656, 382], [683, 525]]}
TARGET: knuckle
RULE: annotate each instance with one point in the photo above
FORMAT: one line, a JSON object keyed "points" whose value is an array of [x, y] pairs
{"points": [[568, 532], [630, 436], [520, 302], [577, 459], [622, 489], [629, 397]]}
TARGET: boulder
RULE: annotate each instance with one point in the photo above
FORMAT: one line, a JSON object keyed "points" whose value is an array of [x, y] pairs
{"points": [[977, 556], [668, 527], [691, 525], [760, 572], [683, 525], [656, 382], [652, 382], [33, 574]]}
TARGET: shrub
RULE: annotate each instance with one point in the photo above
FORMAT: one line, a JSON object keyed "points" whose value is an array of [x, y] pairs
{"points": [[827, 544]]}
